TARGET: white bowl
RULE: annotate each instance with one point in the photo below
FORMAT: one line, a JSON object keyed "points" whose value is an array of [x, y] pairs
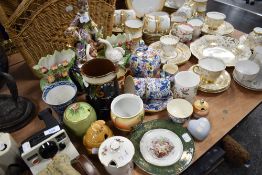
{"points": [[246, 70], [179, 110]]}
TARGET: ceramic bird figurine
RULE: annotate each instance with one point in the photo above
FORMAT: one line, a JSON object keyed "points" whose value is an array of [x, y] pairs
{"points": [[114, 54]]}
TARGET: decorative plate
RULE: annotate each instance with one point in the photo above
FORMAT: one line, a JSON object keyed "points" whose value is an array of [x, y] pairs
{"points": [[222, 47], [186, 139], [161, 147], [221, 84], [181, 55], [142, 7], [225, 29], [255, 85], [156, 105]]}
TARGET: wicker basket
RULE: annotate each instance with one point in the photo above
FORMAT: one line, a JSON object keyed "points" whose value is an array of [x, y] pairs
{"points": [[37, 26], [102, 12]]}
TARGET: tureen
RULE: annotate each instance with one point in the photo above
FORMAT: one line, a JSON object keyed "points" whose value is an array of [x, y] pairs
{"points": [[116, 154], [145, 62]]}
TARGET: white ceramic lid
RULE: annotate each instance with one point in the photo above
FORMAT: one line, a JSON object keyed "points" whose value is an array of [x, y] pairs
{"points": [[116, 151], [157, 141], [258, 30]]}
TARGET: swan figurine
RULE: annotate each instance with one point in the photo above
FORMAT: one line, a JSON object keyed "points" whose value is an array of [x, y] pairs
{"points": [[114, 54]]}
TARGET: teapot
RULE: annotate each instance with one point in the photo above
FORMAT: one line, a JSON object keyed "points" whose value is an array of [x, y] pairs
{"points": [[145, 62], [116, 154], [95, 135]]}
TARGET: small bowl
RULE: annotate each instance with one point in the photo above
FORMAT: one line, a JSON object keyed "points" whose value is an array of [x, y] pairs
{"points": [[59, 95], [127, 111], [246, 70], [179, 110]]}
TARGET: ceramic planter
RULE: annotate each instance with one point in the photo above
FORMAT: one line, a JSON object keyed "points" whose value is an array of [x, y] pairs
{"points": [[127, 111], [78, 117], [145, 62]]}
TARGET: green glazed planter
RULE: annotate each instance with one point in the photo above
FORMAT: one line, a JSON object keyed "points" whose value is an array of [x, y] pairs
{"points": [[180, 165], [78, 117]]}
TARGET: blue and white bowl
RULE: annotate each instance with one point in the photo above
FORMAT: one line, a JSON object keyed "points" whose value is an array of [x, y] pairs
{"points": [[59, 95]]}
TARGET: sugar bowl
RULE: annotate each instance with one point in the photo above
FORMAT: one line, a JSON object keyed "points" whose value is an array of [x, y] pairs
{"points": [[145, 62]]}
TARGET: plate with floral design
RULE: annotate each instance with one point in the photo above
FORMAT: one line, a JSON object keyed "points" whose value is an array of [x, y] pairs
{"points": [[187, 143]]}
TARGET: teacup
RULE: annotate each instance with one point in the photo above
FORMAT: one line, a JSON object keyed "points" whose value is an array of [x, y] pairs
{"points": [[157, 22], [178, 18], [257, 55], [133, 28], [168, 45], [246, 70], [120, 16], [186, 85], [187, 10], [170, 70], [214, 19], [183, 31], [59, 95], [127, 111], [197, 25], [148, 88], [200, 5], [209, 69]]}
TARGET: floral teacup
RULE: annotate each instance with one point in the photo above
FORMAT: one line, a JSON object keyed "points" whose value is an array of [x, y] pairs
{"points": [[183, 31]]}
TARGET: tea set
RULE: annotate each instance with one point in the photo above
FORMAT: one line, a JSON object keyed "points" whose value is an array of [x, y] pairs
{"points": [[121, 88]]}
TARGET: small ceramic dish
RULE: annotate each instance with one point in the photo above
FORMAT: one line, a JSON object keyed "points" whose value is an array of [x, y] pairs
{"points": [[161, 147], [59, 95], [127, 111], [179, 110], [225, 29], [153, 105], [246, 70], [181, 55], [221, 84]]}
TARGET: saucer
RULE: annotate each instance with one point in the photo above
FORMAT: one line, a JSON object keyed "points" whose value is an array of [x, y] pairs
{"points": [[156, 105], [181, 55], [225, 29], [255, 85], [221, 84]]}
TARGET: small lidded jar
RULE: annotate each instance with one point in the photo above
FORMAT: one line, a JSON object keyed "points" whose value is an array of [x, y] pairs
{"points": [[201, 108]]}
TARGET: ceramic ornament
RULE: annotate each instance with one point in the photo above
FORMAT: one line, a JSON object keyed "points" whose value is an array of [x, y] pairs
{"points": [[199, 129]]}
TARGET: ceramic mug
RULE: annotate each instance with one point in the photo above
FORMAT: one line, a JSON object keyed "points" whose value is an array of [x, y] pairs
{"points": [[157, 22], [127, 111], [168, 45], [246, 70], [133, 28], [186, 85], [59, 95], [197, 25], [183, 31], [148, 88], [209, 69], [214, 19], [169, 71], [120, 16]]}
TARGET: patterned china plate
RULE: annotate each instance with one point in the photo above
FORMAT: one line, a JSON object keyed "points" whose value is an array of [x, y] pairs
{"points": [[177, 167], [156, 105], [224, 29], [181, 55], [255, 85], [221, 84], [222, 47]]}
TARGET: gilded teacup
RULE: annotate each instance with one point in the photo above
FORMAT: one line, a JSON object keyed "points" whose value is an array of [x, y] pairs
{"points": [[215, 19], [168, 45]]}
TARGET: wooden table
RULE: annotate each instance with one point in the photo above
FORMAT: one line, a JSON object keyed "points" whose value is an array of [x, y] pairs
{"points": [[227, 109]]}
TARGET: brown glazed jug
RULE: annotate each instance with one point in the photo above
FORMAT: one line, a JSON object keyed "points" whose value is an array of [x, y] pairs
{"points": [[100, 81]]}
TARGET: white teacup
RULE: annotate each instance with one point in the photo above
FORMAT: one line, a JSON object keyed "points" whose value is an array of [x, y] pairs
{"points": [[183, 31], [168, 45], [215, 19], [209, 68], [197, 25], [186, 85], [133, 28], [157, 22], [178, 18], [257, 55], [246, 70], [120, 16]]}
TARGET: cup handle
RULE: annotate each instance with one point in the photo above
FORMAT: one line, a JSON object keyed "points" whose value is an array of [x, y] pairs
{"points": [[173, 28], [196, 69]]}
